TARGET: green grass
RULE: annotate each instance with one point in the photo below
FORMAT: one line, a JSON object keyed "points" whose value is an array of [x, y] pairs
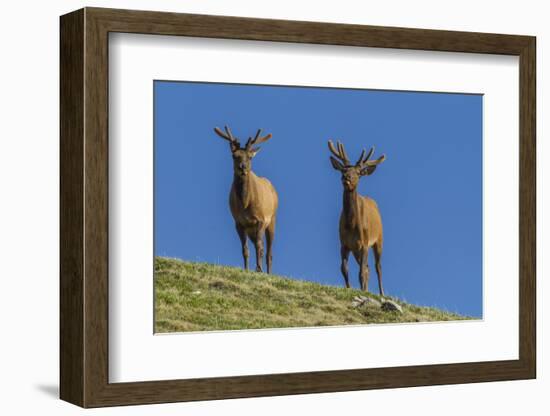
{"points": [[204, 297]]}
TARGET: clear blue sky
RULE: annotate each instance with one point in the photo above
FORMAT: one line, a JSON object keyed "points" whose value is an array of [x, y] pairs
{"points": [[429, 189]]}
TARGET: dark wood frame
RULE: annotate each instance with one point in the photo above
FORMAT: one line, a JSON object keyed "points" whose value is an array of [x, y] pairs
{"points": [[84, 207]]}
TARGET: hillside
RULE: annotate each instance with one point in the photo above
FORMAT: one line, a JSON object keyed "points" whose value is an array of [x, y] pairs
{"points": [[202, 297]]}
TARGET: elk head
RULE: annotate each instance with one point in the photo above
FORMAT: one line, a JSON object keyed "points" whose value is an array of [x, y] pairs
{"points": [[352, 173], [242, 156]]}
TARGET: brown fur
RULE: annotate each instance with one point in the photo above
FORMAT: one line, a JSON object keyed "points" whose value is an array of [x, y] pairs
{"points": [[253, 201], [360, 220]]}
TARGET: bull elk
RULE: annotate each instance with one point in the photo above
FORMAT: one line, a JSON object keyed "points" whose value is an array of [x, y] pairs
{"points": [[253, 200], [360, 221]]}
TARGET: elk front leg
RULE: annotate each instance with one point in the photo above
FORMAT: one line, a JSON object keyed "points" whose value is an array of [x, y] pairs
{"points": [[364, 269], [344, 254], [259, 245], [244, 244]]}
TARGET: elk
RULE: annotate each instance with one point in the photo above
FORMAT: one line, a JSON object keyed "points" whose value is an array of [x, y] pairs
{"points": [[253, 200], [360, 221]]}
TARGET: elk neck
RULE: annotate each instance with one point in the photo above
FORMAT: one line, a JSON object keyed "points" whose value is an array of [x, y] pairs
{"points": [[351, 208], [242, 186]]}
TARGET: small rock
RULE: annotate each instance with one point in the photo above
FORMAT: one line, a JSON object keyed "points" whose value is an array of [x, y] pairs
{"points": [[372, 301], [391, 306], [363, 300], [197, 292]]}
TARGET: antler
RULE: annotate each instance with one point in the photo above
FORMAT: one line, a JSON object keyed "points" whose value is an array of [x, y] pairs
{"points": [[362, 158], [363, 161], [375, 162], [227, 136], [257, 139], [340, 153]]}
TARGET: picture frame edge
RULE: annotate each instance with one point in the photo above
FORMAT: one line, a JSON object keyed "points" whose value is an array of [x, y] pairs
{"points": [[84, 210]]}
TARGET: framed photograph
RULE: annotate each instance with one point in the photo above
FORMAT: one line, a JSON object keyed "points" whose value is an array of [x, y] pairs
{"points": [[254, 207]]}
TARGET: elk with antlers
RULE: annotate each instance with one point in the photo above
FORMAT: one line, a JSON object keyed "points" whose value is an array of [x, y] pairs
{"points": [[253, 200], [360, 221]]}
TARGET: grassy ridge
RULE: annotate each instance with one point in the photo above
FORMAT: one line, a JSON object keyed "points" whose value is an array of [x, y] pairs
{"points": [[201, 297]]}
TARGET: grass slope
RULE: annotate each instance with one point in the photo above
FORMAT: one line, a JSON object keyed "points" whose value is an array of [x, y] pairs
{"points": [[203, 297]]}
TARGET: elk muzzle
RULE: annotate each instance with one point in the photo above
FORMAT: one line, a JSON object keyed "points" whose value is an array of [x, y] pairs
{"points": [[242, 169], [348, 184]]}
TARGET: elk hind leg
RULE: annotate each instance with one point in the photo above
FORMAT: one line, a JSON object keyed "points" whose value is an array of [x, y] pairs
{"points": [[363, 260], [377, 249], [259, 245], [244, 243], [269, 236], [344, 254]]}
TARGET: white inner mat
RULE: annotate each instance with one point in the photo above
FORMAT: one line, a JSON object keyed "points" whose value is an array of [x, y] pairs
{"points": [[136, 354]]}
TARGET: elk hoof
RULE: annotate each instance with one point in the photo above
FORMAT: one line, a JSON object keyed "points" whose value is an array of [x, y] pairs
{"points": [[259, 269]]}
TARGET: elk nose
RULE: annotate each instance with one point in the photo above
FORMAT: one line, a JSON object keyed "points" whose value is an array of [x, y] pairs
{"points": [[242, 166]]}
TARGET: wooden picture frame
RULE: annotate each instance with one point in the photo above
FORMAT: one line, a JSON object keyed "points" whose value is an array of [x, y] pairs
{"points": [[84, 207]]}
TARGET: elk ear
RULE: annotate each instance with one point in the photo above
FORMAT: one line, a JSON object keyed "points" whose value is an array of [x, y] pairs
{"points": [[369, 170], [336, 164], [371, 166], [252, 152]]}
